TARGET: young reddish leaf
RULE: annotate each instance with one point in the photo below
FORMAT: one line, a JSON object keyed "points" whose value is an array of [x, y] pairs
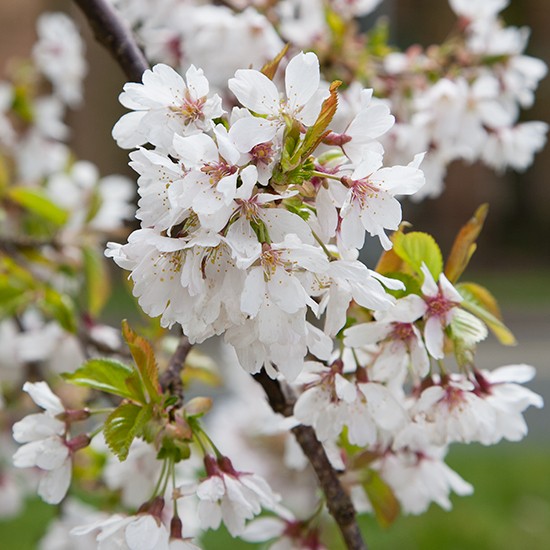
{"points": [[110, 376], [384, 503], [123, 425], [144, 356], [317, 132], [464, 245], [270, 68]]}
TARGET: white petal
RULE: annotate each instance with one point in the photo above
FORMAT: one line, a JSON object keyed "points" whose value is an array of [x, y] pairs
{"points": [[255, 91], [302, 79], [55, 483], [43, 396]]}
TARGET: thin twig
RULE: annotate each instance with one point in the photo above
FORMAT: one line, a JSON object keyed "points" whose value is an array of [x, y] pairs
{"points": [[171, 378], [338, 501], [113, 33]]}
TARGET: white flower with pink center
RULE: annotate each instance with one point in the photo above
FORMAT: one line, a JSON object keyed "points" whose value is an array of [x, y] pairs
{"points": [[501, 389], [231, 496], [45, 443], [370, 202], [400, 343], [137, 532], [165, 105]]}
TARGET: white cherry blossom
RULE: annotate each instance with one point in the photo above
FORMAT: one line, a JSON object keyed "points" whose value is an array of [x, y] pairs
{"points": [[231, 496], [165, 105]]}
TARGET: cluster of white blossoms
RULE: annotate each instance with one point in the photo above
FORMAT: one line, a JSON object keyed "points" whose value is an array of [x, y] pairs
{"points": [[470, 114], [237, 216], [457, 101]]}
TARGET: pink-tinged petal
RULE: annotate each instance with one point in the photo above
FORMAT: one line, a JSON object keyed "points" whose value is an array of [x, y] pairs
{"points": [[302, 79], [254, 292], [197, 83], [44, 397], [255, 91], [54, 484], [250, 131], [366, 334], [434, 337], [429, 286]]}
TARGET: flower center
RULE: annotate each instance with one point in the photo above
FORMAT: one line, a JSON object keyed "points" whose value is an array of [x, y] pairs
{"points": [[402, 331], [262, 153], [218, 170], [438, 305], [191, 109]]}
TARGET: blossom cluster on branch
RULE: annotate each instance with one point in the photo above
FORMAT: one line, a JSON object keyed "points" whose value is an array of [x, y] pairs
{"points": [[261, 170]]}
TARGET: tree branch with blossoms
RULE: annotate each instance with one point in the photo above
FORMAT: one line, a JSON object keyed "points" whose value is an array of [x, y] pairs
{"points": [[110, 32]]}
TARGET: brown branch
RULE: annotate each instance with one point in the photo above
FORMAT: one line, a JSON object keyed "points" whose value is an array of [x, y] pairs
{"points": [[171, 378], [338, 501], [113, 33]]}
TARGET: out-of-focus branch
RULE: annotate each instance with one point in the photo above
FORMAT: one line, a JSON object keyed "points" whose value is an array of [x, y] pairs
{"points": [[338, 501], [113, 33], [171, 377]]}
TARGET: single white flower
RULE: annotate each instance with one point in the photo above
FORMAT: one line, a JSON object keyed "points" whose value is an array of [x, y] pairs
{"points": [[165, 105], [231, 496]]}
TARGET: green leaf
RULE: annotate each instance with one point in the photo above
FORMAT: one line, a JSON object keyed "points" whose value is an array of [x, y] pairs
{"points": [[144, 356], [475, 303], [60, 307], [417, 247], [37, 202], [109, 376], [384, 503], [98, 285], [123, 425], [412, 286]]}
